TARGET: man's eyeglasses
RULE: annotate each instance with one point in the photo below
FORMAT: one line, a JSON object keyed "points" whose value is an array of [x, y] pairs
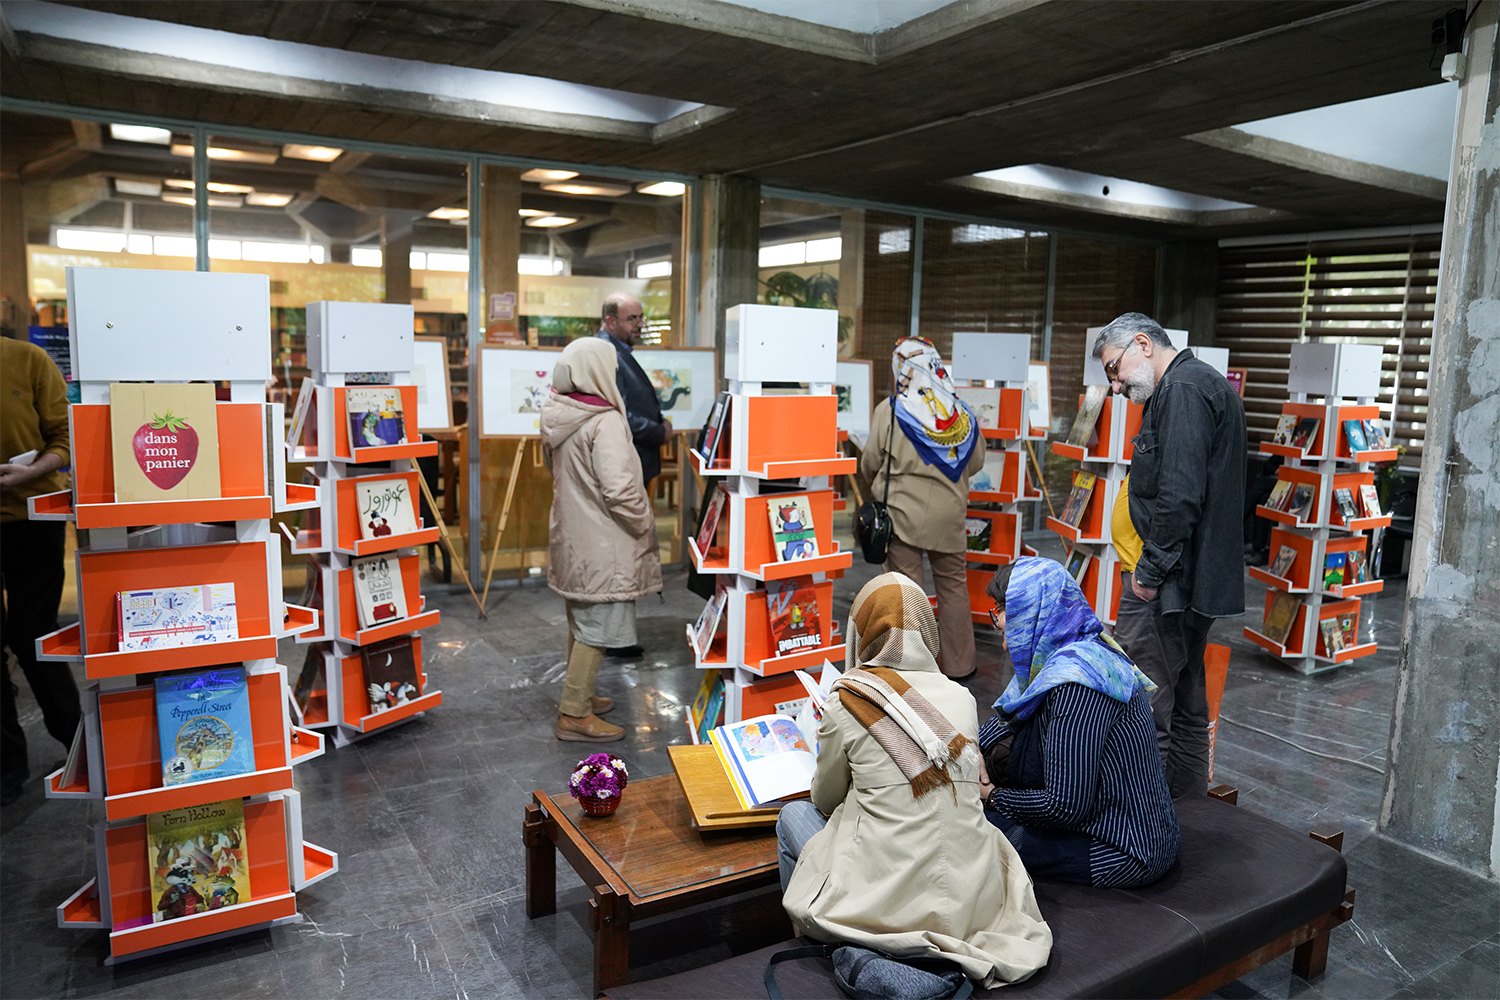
{"points": [[997, 619], [1112, 368]]}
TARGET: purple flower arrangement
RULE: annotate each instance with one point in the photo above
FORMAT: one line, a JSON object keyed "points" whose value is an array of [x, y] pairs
{"points": [[598, 776]]}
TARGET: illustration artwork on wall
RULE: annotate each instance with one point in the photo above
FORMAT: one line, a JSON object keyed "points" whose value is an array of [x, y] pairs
{"points": [[683, 379], [852, 384], [1039, 388], [429, 369], [513, 382]]}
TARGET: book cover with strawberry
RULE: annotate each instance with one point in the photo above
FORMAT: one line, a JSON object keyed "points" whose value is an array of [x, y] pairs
{"points": [[165, 440]]}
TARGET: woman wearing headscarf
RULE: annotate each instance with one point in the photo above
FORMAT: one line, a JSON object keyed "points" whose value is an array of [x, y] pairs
{"points": [[1082, 795], [933, 443], [906, 863], [602, 531]]}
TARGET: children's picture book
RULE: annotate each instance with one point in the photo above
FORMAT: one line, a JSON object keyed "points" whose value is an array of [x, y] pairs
{"points": [[165, 441], [1302, 501], [199, 859], [1078, 499], [703, 631], [203, 725], [792, 534], [307, 679], [795, 618], [1306, 433], [1369, 500], [768, 758], [385, 507], [1082, 431], [1281, 495], [984, 402], [1333, 636], [1333, 570], [1349, 626], [713, 430], [390, 673], [977, 533], [1285, 424], [379, 594], [1078, 561], [1344, 497], [375, 418], [1280, 617], [306, 392], [989, 478], [1355, 570], [707, 710], [1354, 432], [1282, 564], [177, 616], [709, 529], [1375, 435]]}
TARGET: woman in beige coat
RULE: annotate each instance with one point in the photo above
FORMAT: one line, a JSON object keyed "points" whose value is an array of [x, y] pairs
{"points": [[907, 863], [602, 532]]}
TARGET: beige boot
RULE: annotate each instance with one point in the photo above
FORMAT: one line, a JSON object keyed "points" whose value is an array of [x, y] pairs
{"points": [[589, 729]]}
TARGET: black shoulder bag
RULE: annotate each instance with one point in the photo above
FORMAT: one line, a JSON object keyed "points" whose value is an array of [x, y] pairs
{"points": [[872, 522]]}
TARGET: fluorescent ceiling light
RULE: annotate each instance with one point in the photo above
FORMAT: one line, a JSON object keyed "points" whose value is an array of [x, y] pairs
{"points": [[533, 213], [829, 249], [602, 190], [1041, 175], [141, 133], [268, 199], [452, 214], [542, 176], [551, 222], [894, 241], [225, 201], [655, 269], [417, 261], [83, 239], [302, 151], [226, 153], [177, 199], [178, 182], [147, 189], [663, 189], [214, 186]]}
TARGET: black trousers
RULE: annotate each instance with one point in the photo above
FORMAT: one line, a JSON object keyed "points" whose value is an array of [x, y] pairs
{"points": [[31, 572]]}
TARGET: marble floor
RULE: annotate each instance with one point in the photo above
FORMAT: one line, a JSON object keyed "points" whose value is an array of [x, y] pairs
{"points": [[426, 819]]}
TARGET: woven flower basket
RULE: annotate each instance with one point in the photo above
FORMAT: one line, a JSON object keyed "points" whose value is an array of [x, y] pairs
{"points": [[599, 807]]}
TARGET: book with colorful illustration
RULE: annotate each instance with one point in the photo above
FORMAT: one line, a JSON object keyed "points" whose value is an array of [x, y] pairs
{"points": [[1302, 501], [375, 418], [792, 534], [1349, 626], [1375, 436], [768, 759], [1354, 432], [391, 673], [1281, 494], [794, 615], [977, 533], [203, 725], [1306, 434], [1078, 561], [985, 402], [385, 507], [198, 858], [1082, 431], [1333, 570], [1285, 425], [707, 710], [1333, 636], [379, 593], [177, 616], [164, 440], [709, 529], [1369, 499], [1280, 617], [703, 631], [1078, 499], [1285, 557], [1344, 497], [1356, 568]]}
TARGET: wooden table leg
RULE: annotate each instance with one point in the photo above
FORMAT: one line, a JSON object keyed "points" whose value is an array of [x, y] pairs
{"points": [[611, 920], [541, 864]]}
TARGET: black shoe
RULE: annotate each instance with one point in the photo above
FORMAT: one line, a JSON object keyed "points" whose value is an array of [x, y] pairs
{"points": [[625, 652]]}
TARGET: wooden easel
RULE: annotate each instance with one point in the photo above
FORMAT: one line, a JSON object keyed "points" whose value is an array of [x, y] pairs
{"points": [[505, 505], [1041, 480], [443, 531]]}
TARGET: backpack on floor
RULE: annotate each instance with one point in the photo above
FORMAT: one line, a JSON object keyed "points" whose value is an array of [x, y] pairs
{"points": [[865, 974]]}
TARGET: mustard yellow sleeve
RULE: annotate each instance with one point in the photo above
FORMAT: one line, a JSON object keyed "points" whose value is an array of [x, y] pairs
{"points": [[51, 395]]}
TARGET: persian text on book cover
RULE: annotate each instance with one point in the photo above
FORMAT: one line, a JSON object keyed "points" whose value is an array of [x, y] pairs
{"points": [[203, 724], [177, 616], [375, 418], [792, 609], [199, 859], [165, 440], [792, 533], [390, 674], [385, 507], [378, 590]]}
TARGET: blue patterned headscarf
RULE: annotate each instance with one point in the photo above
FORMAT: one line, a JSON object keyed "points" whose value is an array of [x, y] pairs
{"points": [[939, 425], [1055, 638]]}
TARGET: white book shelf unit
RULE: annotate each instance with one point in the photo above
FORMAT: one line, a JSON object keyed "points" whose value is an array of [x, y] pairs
{"points": [[347, 341], [990, 370], [220, 333], [772, 437], [1331, 383]]}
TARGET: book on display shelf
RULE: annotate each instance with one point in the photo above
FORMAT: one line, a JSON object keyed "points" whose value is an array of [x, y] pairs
{"points": [[1285, 557], [1333, 636], [1354, 432], [1344, 497], [1281, 495], [203, 725], [1369, 500], [385, 507], [1306, 433], [985, 403], [307, 679], [198, 859], [977, 533], [176, 616], [305, 393], [713, 428], [1375, 435], [792, 534], [165, 441], [1349, 626], [703, 631], [1301, 501], [713, 512], [1088, 415], [1078, 499], [1333, 571], [390, 673], [1078, 561], [379, 594], [375, 418], [1355, 568], [1285, 424], [76, 767], [1280, 616], [707, 710], [794, 616], [989, 478]]}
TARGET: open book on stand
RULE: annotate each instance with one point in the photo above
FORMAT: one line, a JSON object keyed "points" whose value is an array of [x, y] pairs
{"points": [[772, 758]]}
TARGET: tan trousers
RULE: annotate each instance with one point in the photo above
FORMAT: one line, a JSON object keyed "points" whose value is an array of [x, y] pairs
{"points": [[578, 684], [955, 627]]}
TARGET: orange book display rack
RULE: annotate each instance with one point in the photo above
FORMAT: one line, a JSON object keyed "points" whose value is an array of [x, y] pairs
{"points": [[793, 439], [139, 545], [1331, 384], [332, 535]]}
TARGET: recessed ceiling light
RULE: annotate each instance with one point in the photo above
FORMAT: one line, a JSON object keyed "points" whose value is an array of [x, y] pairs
{"points": [[185, 184], [532, 213], [214, 200], [663, 189], [541, 176], [302, 151], [148, 189], [448, 213], [602, 190], [268, 199], [551, 222], [226, 153], [177, 199], [141, 133]]}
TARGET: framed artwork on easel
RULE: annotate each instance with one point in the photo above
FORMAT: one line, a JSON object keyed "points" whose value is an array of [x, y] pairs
{"points": [[851, 382], [1039, 385], [513, 382], [429, 370], [684, 380]]}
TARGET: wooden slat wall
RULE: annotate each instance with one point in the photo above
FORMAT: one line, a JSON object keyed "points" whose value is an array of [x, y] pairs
{"points": [[982, 279], [1371, 291], [885, 312]]}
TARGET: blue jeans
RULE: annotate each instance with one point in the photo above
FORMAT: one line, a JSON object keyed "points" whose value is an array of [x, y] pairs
{"points": [[798, 822]]}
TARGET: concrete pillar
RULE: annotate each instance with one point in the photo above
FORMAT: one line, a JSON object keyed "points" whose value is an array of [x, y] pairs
{"points": [[729, 208], [500, 252], [395, 256], [1188, 288], [338, 253], [15, 311], [851, 279], [1442, 783]]}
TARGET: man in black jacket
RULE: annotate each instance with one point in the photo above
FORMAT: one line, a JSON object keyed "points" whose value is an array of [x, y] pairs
{"points": [[621, 324], [1187, 488]]}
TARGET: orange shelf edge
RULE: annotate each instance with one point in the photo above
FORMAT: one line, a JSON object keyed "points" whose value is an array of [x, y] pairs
{"points": [[797, 661], [411, 539], [1274, 648], [170, 932], [1345, 590], [1279, 582], [299, 620], [317, 863], [837, 559], [378, 720], [300, 496], [131, 804], [53, 789], [704, 565], [306, 745], [97, 666], [410, 624], [1076, 452], [82, 910], [51, 506], [64, 644], [1071, 533]]}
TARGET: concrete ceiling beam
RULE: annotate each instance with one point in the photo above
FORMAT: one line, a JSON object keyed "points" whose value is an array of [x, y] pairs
{"points": [[1313, 161]]}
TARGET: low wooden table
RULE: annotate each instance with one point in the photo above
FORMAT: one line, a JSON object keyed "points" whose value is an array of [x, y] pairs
{"points": [[644, 860]]}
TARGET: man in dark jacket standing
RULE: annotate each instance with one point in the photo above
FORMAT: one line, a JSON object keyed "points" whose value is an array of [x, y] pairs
{"points": [[621, 323], [1187, 488]]}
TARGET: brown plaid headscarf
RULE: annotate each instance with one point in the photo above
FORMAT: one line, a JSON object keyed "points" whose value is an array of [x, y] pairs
{"points": [[892, 627]]}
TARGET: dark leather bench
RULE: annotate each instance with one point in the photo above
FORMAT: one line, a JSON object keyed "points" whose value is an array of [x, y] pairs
{"points": [[1244, 891]]}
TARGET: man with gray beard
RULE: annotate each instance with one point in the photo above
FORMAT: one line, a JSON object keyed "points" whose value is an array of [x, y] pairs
{"points": [[1186, 498]]}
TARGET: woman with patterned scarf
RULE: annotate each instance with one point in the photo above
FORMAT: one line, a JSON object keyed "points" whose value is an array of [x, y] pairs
{"points": [[931, 456], [906, 863], [1082, 794]]}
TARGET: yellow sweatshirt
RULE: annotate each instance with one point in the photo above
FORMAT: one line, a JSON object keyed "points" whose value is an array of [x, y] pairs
{"points": [[33, 415]]}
